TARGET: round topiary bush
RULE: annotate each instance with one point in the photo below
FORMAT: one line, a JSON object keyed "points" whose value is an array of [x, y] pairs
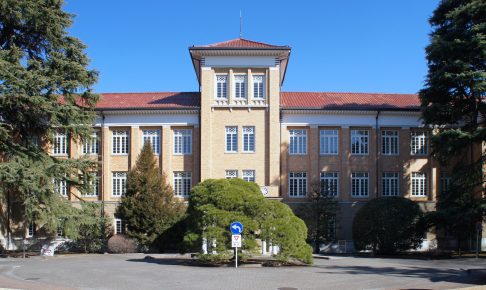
{"points": [[121, 244], [388, 225]]}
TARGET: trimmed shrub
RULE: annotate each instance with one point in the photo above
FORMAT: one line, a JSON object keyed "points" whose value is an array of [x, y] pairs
{"points": [[121, 244], [388, 225]]}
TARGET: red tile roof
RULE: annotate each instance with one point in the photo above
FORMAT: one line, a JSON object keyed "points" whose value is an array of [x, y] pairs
{"points": [[348, 101], [165, 100], [288, 100], [241, 43]]}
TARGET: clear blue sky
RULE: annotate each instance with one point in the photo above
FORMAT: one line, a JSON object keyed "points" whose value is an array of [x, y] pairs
{"points": [[340, 46]]}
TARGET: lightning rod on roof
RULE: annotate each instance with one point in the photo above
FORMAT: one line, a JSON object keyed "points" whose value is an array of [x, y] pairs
{"points": [[241, 25]]}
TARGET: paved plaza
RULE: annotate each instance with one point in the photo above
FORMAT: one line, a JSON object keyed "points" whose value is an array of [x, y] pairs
{"points": [[132, 271]]}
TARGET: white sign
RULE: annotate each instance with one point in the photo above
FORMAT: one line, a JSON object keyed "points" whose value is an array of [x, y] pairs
{"points": [[236, 241]]}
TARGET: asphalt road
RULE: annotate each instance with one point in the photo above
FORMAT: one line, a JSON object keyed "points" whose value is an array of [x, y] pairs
{"points": [[175, 272]]}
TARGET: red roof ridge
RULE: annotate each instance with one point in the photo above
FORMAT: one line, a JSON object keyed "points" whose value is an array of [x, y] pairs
{"points": [[240, 42], [128, 93], [354, 93]]}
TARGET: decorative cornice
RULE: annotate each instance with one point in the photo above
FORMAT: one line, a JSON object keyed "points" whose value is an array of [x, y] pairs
{"points": [[348, 112]]}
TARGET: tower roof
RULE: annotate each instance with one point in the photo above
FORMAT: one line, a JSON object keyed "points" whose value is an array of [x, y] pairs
{"points": [[241, 43]]}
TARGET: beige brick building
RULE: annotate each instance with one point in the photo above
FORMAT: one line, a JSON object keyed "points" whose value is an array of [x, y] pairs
{"points": [[355, 146]]}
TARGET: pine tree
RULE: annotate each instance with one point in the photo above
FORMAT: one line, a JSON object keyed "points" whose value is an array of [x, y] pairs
{"points": [[454, 96], [149, 207], [45, 87]]}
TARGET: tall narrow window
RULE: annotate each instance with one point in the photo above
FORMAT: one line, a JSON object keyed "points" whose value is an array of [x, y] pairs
{"points": [[119, 183], [119, 226], [329, 183], [445, 182], [389, 183], [60, 146], [182, 183], [60, 186], [230, 174], [359, 142], [240, 86], [389, 142], [30, 230], [221, 86], [232, 139], [249, 175], [297, 184], [359, 184], [329, 140], [418, 143], [258, 86], [92, 146], [183, 141], [94, 186], [248, 139], [419, 184], [152, 136], [298, 142], [120, 142]]}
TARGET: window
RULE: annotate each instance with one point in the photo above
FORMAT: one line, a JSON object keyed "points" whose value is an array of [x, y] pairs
{"points": [[389, 182], [119, 226], [258, 86], [232, 139], [389, 142], [30, 230], [120, 142], [298, 142], [419, 184], [248, 139], [359, 142], [359, 184], [329, 142], [94, 186], [445, 182], [297, 184], [183, 141], [240, 86], [249, 175], [230, 174], [60, 144], [221, 86], [60, 231], [60, 186], [152, 136], [119, 182], [91, 146], [419, 143], [329, 183], [182, 183]]}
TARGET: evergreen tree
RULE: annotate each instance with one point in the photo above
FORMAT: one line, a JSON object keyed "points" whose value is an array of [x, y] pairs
{"points": [[149, 207], [45, 87], [454, 96]]}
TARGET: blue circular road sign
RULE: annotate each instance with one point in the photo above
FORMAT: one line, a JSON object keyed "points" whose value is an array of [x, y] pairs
{"points": [[236, 228]]}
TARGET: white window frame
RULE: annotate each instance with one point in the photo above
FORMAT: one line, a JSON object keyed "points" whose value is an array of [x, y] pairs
{"points": [[230, 174], [390, 183], [61, 186], [329, 183], [30, 230], [231, 139], [182, 183], [360, 184], [249, 175], [419, 143], [152, 136], [419, 184], [94, 185], [119, 226], [91, 146], [248, 139], [360, 140], [118, 183], [60, 145], [239, 88], [298, 141], [329, 141], [182, 141], [390, 142], [258, 87], [297, 184], [120, 141], [221, 87]]}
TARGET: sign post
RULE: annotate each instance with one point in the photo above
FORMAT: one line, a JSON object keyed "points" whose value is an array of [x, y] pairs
{"points": [[236, 229], [479, 227]]}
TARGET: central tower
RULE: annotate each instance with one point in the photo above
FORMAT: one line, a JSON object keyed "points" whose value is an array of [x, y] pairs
{"points": [[240, 83]]}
